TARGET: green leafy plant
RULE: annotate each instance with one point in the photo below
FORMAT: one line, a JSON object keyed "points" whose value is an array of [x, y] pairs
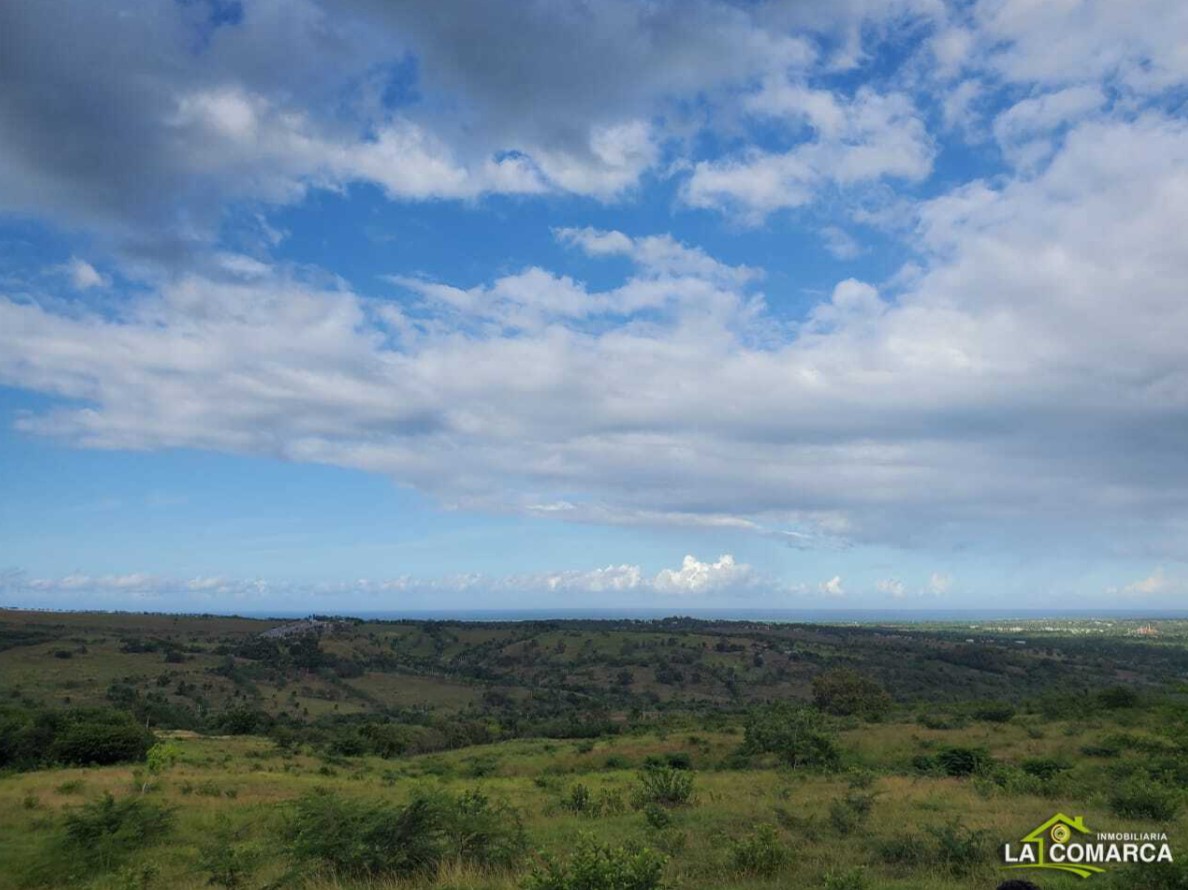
{"points": [[761, 853], [594, 866], [665, 786]]}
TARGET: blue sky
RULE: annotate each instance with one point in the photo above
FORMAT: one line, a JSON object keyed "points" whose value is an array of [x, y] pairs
{"points": [[371, 306]]}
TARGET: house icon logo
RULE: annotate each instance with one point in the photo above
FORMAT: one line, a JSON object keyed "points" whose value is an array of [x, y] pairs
{"points": [[1066, 843]]}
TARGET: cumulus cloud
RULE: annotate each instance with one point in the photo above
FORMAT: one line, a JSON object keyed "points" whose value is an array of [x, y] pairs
{"points": [[695, 576], [893, 587], [973, 395], [1025, 371], [264, 100], [863, 139]]}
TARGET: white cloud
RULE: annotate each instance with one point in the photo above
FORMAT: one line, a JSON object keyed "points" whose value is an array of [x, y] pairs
{"points": [[1157, 584], [833, 587], [692, 578], [1027, 369], [893, 587], [863, 139], [83, 275], [511, 99], [1025, 130], [881, 418], [695, 576]]}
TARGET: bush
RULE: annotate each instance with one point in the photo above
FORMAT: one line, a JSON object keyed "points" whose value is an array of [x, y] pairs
{"points": [[102, 742], [798, 735], [227, 862], [909, 851], [674, 759], [962, 761], [657, 817], [365, 839], [595, 866], [1043, 768], [664, 786], [960, 849], [847, 814], [1144, 799], [579, 800], [761, 853], [101, 835], [32, 738], [848, 693]]}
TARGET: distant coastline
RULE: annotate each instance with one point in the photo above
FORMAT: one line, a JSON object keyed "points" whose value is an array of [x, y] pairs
{"points": [[787, 616]]}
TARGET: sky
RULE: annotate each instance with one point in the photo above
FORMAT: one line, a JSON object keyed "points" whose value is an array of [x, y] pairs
{"points": [[667, 304]]}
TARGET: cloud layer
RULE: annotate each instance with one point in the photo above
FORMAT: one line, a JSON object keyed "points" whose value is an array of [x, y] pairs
{"points": [[1001, 188], [694, 581]]}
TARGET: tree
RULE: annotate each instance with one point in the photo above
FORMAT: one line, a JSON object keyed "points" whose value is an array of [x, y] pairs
{"points": [[848, 693], [159, 759], [798, 734]]}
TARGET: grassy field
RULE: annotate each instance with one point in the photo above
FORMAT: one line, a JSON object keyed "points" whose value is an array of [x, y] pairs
{"points": [[887, 813]]}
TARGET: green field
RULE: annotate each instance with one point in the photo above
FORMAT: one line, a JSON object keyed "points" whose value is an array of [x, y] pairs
{"points": [[802, 756]]}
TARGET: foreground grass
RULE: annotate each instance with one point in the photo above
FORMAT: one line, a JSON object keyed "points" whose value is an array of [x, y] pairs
{"points": [[246, 783]]}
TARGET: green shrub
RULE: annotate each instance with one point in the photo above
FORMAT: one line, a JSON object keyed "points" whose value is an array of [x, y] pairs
{"points": [[906, 850], [616, 761], [1044, 768], [367, 839], [861, 779], [226, 860], [849, 813], [657, 816], [798, 735], [761, 853], [665, 786], [1009, 779], [594, 866], [94, 738], [957, 761], [1143, 799], [579, 800], [847, 693], [959, 849], [101, 835]]}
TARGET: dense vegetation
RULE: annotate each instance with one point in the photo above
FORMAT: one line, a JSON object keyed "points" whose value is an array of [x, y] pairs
{"points": [[161, 751]]}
